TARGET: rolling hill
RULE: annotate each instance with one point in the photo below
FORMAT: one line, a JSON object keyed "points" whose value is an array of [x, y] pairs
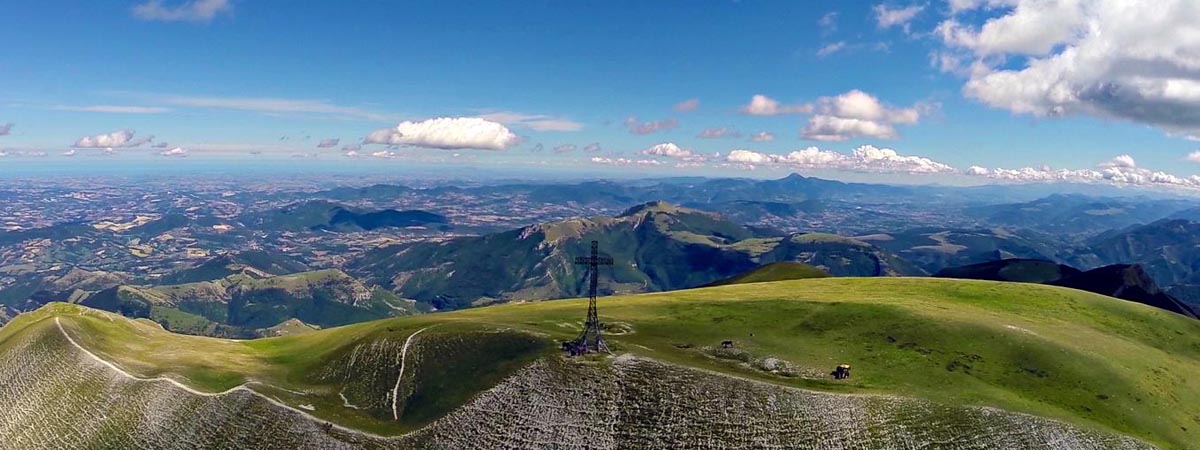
{"points": [[934, 249], [937, 364], [1015, 269], [657, 246], [777, 271], [325, 215], [250, 304], [1123, 281]]}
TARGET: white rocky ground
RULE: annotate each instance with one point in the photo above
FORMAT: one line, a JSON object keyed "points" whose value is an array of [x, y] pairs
{"points": [[53, 396]]}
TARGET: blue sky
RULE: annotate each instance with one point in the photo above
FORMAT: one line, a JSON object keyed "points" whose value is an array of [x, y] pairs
{"points": [[954, 83]]}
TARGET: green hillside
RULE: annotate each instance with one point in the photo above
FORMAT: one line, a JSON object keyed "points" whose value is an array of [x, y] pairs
{"points": [[940, 347], [249, 303], [778, 271]]}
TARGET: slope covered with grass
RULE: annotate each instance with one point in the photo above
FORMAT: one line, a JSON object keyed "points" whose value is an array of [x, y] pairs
{"points": [[777, 271], [929, 352]]}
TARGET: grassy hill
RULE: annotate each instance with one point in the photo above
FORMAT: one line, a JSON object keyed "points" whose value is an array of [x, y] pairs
{"points": [[250, 304], [928, 352], [777, 271]]}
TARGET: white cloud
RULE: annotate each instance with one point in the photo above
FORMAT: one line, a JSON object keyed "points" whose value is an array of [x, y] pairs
{"points": [[863, 159], [831, 49], [534, 122], [565, 148], [1105, 58], [626, 161], [1120, 171], [762, 136], [687, 105], [857, 114], [1193, 157], [761, 105], [592, 148], [6, 129], [175, 152], [121, 138], [447, 133], [718, 132], [198, 11], [1122, 161], [638, 127], [887, 17], [328, 143], [69, 153], [383, 154], [670, 150]]}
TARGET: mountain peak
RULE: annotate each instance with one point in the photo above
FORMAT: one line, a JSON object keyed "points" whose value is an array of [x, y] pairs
{"points": [[656, 206]]}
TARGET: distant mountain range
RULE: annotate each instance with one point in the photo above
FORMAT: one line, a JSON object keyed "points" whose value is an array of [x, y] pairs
{"points": [[657, 246], [1079, 214], [324, 215]]}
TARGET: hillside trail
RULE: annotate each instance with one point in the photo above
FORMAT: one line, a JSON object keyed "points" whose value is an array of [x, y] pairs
{"points": [[400, 376]]}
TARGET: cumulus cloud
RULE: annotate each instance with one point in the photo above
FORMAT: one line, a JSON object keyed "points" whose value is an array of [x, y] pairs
{"points": [[121, 138], [565, 148], [718, 132], [1105, 58], [626, 161], [383, 154], [761, 105], [592, 148], [636, 126], [762, 136], [863, 159], [534, 122], [6, 129], [69, 153], [175, 152], [447, 133], [887, 17], [1122, 170], [197, 11], [328, 143], [1193, 157], [670, 150], [857, 114], [687, 105]]}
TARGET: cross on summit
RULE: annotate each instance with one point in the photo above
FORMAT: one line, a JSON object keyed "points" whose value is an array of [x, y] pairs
{"points": [[590, 340]]}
